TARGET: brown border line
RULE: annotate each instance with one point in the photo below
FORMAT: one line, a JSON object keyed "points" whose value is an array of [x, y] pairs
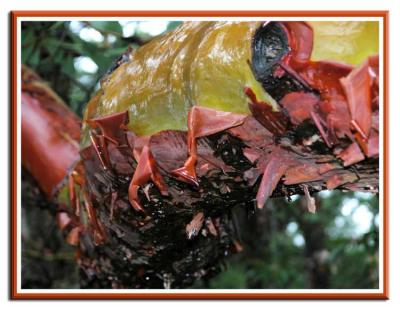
{"points": [[297, 296]]}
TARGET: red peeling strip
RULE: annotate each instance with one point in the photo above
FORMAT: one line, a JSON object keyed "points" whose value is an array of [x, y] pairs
{"points": [[187, 173], [275, 169], [357, 87], [351, 155], [275, 122], [302, 173], [146, 170], [311, 207], [299, 105], [373, 145], [373, 62], [301, 42], [339, 179], [251, 154], [134, 198], [98, 231], [370, 147], [294, 74], [325, 76], [324, 168], [317, 122], [374, 73], [359, 129], [203, 122], [111, 125], [104, 150], [140, 143], [98, 151], [73, 236]]}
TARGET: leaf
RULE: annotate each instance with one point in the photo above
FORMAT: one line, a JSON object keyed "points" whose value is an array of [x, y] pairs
{"points": [[173, 25], [98, 56], [115, 52], [68, 67], [34, 60], [26, 52], [107, 26]]}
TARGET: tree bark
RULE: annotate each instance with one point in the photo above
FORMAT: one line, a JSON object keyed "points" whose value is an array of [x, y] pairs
{"points": [[183, 236]]}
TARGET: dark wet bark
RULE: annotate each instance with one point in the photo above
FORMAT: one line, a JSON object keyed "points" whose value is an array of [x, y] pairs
{"points": [[154, 248]]}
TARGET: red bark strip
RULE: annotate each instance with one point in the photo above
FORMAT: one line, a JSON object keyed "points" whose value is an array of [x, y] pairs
{"points": [[311, 207], [299, 105], [146, 170], [110, 125], [339, 179], [49, 134], [275, 169], [357, 86], [73, 236], [203, 122], [301, 41], [275, 122], [351, 155]]}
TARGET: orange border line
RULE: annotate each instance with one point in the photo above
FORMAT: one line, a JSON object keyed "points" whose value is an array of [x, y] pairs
{"points": [[315, 13], [14, 129], [298, 296], [386, 155]]}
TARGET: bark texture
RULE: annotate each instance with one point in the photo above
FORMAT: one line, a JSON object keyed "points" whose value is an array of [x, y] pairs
{"points": [[183, 236], [139, 223]]}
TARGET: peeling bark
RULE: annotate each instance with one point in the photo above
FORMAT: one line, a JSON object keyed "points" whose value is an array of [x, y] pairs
{"points": [[155, 211]]}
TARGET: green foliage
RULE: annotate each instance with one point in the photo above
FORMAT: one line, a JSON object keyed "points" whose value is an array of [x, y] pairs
{"points": [[285, 247]]}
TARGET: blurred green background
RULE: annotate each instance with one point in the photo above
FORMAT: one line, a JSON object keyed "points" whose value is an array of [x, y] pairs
{"points": [[283, 245]]}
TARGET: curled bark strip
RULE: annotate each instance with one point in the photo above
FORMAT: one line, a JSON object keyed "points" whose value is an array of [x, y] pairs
{"points": [[357, 86], [99, 235], [275, 122], [311, 207], [351, 155], [370, 147], [223, 185], [299, 105], [203, 122], [110, 125], [193, 228], [275, 169], [318, 124], [301, 42], [338, 179], [73, 236], [146, 170], [228, 152]]}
